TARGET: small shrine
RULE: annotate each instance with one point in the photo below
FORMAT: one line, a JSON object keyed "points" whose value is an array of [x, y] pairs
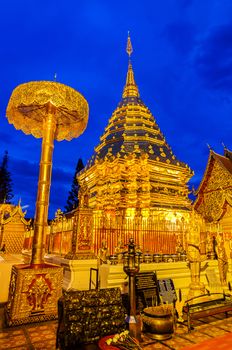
{"points": [[13, 228]]}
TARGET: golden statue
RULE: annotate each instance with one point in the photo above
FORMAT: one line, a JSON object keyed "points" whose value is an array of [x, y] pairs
{"points": [[119, 251], [195, 259], [210, 246], [222, 258], [103, 253], [179, 247]]}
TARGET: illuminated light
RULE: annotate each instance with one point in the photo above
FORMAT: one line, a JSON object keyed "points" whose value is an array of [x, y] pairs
{"points": [[130, 212], [145, 213]]}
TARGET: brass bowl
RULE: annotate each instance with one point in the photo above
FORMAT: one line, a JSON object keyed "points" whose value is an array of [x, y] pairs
{"points": [[157, 258], [159, 325]]}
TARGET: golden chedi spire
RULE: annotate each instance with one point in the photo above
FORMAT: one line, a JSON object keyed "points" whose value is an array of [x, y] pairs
{"points": [[132, 128], [133, 165], [130, 89]]}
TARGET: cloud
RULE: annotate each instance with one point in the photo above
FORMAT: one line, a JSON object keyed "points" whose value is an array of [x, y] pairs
{"points": [[181, 35], [23, 167], [213, 60], [24, 176]]}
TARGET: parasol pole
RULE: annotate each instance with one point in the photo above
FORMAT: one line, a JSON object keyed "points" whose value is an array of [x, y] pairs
{"points": [[44, 184]]}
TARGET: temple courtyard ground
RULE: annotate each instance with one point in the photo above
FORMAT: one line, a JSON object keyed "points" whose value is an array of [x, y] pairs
{"points": [[212, 333]]}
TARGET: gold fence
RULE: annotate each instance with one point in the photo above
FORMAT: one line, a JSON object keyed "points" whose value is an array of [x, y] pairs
{"points": [[150, 234]]}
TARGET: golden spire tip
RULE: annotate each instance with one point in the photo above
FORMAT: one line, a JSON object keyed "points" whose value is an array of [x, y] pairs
{"points": [[129, 48]]}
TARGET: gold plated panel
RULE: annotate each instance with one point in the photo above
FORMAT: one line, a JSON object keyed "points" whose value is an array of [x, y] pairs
{"points": [[33, 293]]}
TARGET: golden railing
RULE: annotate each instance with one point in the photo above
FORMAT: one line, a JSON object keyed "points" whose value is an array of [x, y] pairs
{"points": [[149, 234]]}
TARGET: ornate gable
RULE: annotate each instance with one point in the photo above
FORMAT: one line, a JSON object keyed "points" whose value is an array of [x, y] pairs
{"points": [[215, 190]]}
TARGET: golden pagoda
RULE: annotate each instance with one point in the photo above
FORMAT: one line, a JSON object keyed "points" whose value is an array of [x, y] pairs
{"points": [[133, 182]]}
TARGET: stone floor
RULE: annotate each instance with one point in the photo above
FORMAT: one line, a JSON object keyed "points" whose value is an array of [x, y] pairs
{"points": [[210, 333]]}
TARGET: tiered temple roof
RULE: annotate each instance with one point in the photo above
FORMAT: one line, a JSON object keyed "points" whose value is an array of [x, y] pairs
{"points": [[133, 129]]}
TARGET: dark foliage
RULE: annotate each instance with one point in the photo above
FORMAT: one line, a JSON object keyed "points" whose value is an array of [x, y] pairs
{"points": [[6, 192], [72, 201]]}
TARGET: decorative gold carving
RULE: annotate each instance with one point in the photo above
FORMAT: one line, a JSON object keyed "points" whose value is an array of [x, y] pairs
{"points": [[220, 178], [33, 294], [85, 230], [39, 291], [217, 192]]}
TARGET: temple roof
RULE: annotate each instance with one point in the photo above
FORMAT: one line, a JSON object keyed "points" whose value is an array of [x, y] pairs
{"points": [[132, 129], [9, 211], [224, 160], [214, 192]]}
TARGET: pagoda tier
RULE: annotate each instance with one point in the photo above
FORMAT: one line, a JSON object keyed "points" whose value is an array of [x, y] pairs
{"points": [[133, 167]]}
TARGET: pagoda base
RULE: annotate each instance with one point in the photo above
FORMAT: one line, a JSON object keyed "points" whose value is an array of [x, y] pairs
{"points": [[76, 271], [33, 293], [82, 255]]}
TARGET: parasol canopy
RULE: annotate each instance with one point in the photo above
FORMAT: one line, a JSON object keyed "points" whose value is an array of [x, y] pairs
{"points": [[28, 106]]}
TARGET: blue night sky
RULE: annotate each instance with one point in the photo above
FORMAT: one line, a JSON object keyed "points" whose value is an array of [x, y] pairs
{"points": [[182, 61]]}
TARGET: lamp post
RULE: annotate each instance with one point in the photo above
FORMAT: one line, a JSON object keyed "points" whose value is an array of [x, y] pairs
{"points": [[131, 262]]}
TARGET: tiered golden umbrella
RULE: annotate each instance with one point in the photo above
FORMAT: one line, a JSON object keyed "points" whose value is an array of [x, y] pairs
{"points": [[51, 111]]}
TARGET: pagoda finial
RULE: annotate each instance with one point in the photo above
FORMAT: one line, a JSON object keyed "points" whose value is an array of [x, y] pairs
{"points": [[129, 48], [130, 89]]}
